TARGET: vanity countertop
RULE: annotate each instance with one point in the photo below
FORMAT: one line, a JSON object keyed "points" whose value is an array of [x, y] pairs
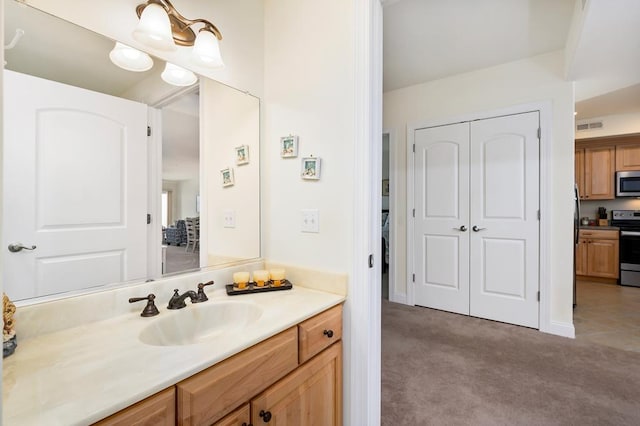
{"points": [[83, 374]]}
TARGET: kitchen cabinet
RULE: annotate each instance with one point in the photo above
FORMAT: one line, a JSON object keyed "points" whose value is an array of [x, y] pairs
{"points": [[597, 254], [627, 157], [157, 410], [595, 172]]}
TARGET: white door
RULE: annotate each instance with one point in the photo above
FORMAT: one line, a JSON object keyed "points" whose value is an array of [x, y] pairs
{"points": [[504, 210], [75, 179], [441, 243], [476, 233]]}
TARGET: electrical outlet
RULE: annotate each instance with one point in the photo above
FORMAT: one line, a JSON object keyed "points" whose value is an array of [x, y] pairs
{"points": [[310, 221], [229, 218]]}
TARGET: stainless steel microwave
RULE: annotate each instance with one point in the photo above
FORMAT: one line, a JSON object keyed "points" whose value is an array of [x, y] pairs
{"points": [[628, 184]]}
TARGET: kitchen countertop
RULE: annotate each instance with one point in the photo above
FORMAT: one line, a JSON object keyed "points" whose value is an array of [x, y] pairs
{"points": [[600, 228], [86, 373]]}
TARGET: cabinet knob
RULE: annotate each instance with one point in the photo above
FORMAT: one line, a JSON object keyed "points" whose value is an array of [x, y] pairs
{"points": [[328, 333], [266, 416], [245, 424]]}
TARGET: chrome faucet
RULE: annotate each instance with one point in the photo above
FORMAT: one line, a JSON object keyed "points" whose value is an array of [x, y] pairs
{"points": [[177, 300]]}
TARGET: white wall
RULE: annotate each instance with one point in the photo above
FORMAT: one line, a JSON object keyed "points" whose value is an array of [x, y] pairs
{"points": [[240, 23], [530, 80], [309, 92], [232, 119], [619, 124]]}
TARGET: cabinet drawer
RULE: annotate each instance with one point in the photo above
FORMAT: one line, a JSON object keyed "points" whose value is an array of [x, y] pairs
{"points": [[311, 333], [157, 410], [242, 416], [210, 395], [598, 234]]}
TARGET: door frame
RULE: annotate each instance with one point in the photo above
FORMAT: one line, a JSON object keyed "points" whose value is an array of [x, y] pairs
{"points": [[545, 108], [394, 206]]}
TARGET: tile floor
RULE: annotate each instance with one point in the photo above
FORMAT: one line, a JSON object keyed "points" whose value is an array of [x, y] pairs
{"points": [[608, 314]]}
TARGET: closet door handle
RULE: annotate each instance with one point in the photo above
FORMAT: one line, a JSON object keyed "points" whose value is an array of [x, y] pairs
{"points": [[461, 229], [476, 229]]}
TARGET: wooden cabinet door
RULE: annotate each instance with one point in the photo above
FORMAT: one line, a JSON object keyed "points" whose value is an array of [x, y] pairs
{"points": [[602, 258], [157, 410], [310, 396], [599, 173], [213, 393], [627, 158], [240, 417], [579, 171], [581, 257]]}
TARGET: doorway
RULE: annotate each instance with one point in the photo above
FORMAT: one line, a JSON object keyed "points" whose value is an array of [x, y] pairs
{"points": [[386, 218], [180, 182]]}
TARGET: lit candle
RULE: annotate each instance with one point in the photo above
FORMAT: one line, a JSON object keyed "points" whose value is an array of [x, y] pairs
{"points": [[240, 279], [277, 276], [260, 276]]}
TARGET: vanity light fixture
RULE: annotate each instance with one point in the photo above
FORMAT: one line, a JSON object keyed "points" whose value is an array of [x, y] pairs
{"points": [[178, 76], [162, 27], [130, 59]]}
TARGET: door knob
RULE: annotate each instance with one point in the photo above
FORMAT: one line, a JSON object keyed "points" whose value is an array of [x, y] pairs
{"points": [[476, 229], [461, 229], [14, 248]]}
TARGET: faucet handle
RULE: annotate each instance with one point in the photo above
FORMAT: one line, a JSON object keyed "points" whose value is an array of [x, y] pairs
{"points": [[201, 297], [150, 310]]}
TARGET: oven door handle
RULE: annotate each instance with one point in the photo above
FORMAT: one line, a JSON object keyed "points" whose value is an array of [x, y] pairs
{"points": [[629, 234]]}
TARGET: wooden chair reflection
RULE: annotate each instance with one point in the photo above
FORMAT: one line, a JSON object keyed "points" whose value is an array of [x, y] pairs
{"points": [[193, 233]]}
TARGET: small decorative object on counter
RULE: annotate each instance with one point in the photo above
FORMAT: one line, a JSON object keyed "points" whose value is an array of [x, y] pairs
{"points": [[260, 277], [277, 277], [9, 340], [584, 221], [240, 279]]}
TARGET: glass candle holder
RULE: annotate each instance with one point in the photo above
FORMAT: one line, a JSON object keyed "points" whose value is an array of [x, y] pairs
{"points": [[260, 277], [241, 279], [277, 277]]}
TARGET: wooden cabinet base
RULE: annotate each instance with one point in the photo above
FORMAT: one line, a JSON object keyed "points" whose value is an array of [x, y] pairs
{"points": [[157, 410], [599, 280]]}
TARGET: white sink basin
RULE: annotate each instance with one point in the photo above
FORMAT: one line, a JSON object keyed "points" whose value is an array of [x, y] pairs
{"points": [[199, 322]]}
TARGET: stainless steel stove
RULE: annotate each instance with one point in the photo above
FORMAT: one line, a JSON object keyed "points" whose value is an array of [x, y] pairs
{"points": [[629, 223]]}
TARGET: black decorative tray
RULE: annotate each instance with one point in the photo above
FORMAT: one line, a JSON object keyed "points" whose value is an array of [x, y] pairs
{"points": [[253, 288]]}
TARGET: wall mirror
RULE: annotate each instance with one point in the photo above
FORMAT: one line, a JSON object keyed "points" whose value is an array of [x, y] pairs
{"points": [[103, 199]]}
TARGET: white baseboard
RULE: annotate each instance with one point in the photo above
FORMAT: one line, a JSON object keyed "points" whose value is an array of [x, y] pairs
{"points": [[564, 329], [398, 298]]}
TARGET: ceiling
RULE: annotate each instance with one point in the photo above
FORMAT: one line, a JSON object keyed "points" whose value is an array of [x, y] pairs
{"points": [[426, 40]]}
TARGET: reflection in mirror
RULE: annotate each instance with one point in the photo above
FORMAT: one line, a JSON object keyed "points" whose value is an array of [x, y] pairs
{"points": [[82, 177]]}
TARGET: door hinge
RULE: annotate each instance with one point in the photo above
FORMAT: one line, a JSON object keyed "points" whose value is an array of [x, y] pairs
{"points": [[414, 148], [538, 296], [538, 214], [539, 133], [414, 212], [148, 218], [414, 278], [371, 261], [148, 130]]}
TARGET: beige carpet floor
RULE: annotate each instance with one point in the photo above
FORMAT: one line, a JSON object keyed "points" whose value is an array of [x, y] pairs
{"points": [[440, 368]]}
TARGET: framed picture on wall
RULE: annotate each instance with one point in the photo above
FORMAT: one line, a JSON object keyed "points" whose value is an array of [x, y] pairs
{"points": [[385, 187], [311, 168], [289, 147], [242, 154], [227, 177]]}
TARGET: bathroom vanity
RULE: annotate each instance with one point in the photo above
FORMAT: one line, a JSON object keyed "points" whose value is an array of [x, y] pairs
{"points": [[257, 357]]}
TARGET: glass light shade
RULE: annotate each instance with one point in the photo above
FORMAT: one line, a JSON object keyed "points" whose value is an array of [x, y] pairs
{"points": [[130, 59], [206, 50], [154, 28], [178, 76]]}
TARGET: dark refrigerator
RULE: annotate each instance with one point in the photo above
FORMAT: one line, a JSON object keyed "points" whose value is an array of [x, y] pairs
{"points": [[576, 234]]}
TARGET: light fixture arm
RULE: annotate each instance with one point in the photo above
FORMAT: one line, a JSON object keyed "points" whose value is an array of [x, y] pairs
{"points": [[183, 34]]}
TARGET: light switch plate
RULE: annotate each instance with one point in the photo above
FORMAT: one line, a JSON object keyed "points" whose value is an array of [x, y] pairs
{"points": [[229, 218], [310, 221]]}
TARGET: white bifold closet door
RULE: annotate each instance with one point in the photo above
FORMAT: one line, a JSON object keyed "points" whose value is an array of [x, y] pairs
{"points": [[476, 249]]}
